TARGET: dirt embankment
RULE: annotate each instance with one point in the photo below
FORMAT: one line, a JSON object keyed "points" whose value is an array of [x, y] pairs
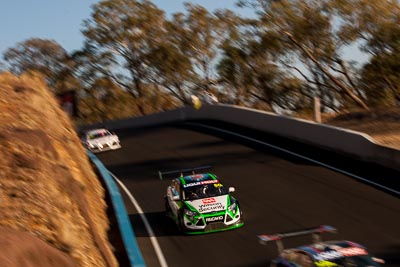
{"points": [[382, 125], [52, 204]]}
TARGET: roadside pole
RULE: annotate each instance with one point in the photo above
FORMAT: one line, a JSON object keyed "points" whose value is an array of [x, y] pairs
{"points": [[317, 109]]}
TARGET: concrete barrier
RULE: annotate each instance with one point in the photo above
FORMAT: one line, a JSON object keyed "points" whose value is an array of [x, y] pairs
{"points": [[351, 143]]}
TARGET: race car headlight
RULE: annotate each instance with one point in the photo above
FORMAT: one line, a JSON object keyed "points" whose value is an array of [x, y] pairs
{"points": [[190, 213], [232, 207]]}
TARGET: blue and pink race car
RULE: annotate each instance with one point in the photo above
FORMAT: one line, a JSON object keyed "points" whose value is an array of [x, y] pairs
{"points": [[320, 253]]}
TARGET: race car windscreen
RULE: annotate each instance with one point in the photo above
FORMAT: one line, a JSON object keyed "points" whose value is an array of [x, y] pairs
{"points": [[98, 135], [204, 191]]}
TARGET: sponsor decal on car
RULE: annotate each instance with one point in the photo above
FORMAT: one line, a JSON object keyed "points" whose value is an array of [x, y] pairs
{"points": [[208, 200], [197, 176], [325, 264], [201, 183], [340, 253], [211, 207], [215, 219], [353, 251], [328, 255]]}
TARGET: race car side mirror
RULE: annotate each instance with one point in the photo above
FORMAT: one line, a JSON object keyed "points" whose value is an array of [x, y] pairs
{"points": [[175, 198], [231, 189]]}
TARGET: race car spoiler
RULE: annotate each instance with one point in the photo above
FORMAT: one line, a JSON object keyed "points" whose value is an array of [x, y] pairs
{"points": [[182, 171], [315, 232]]}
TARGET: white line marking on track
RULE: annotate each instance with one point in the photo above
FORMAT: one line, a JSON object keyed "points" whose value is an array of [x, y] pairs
{"points": [[153, 239], [301, 156]]}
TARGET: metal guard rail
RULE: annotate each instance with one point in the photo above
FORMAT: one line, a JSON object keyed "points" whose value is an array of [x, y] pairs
{"points": [[128, 237]]}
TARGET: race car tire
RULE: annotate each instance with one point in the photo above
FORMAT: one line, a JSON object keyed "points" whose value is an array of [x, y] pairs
{"points": [[280, 264], [181, 224], [241, 212], [167, 206]]}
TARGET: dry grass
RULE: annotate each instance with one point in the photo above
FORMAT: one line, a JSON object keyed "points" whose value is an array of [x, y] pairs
{"points": [[382, 125]]}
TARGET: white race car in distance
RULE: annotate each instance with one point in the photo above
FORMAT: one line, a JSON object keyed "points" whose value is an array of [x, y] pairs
{"points": [[99, 140]]}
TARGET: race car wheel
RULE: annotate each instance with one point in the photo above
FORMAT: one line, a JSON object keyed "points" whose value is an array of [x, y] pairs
{"points": [[167, 206], [181, 223], [240, 211], [280, 264]]}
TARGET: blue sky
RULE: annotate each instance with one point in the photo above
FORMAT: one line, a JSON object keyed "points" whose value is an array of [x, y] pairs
{"points": [[61, 20]]}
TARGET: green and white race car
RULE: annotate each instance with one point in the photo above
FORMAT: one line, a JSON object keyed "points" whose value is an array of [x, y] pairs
{"points": [[199, 203]]}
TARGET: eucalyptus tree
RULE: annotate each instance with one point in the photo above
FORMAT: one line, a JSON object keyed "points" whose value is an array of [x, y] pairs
{"points": [[203, 38], [248, 66], [232, 66], [250, 72], [2, 67], [375, 27], [232, 70], [45, 56], [185, 62], [308, 45], [125, 32], [107, 102], [380, 79], [92, 65], [170, 61]]}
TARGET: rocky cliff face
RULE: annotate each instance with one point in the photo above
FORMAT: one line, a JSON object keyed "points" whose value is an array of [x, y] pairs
{"points": [[52, 204]]}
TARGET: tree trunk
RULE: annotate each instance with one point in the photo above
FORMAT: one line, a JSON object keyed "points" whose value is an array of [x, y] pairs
{"points": [[354, 97]]}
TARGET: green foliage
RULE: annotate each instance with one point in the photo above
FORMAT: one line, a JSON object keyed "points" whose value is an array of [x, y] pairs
{"points": [[46, 57], [308, 38], [125, 32], [106, 101], [205, 33], [381, 80], [375, 24], [137, 61]]}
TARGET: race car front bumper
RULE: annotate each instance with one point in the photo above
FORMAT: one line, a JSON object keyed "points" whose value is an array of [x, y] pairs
{"points": [[207, 223], [104, 147]]}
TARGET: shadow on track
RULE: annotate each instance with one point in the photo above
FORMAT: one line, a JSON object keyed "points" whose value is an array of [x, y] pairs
{"points": [[160, 223]]}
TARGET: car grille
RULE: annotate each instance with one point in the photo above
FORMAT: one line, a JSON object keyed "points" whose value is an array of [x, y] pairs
{"points": [[215, 226], [200, 223]]}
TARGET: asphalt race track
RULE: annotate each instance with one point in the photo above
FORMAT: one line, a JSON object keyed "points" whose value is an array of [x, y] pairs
{"points": [[277, 193]]}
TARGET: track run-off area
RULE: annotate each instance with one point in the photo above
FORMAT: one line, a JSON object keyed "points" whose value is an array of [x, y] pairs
{"points": [[278, 191]]}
